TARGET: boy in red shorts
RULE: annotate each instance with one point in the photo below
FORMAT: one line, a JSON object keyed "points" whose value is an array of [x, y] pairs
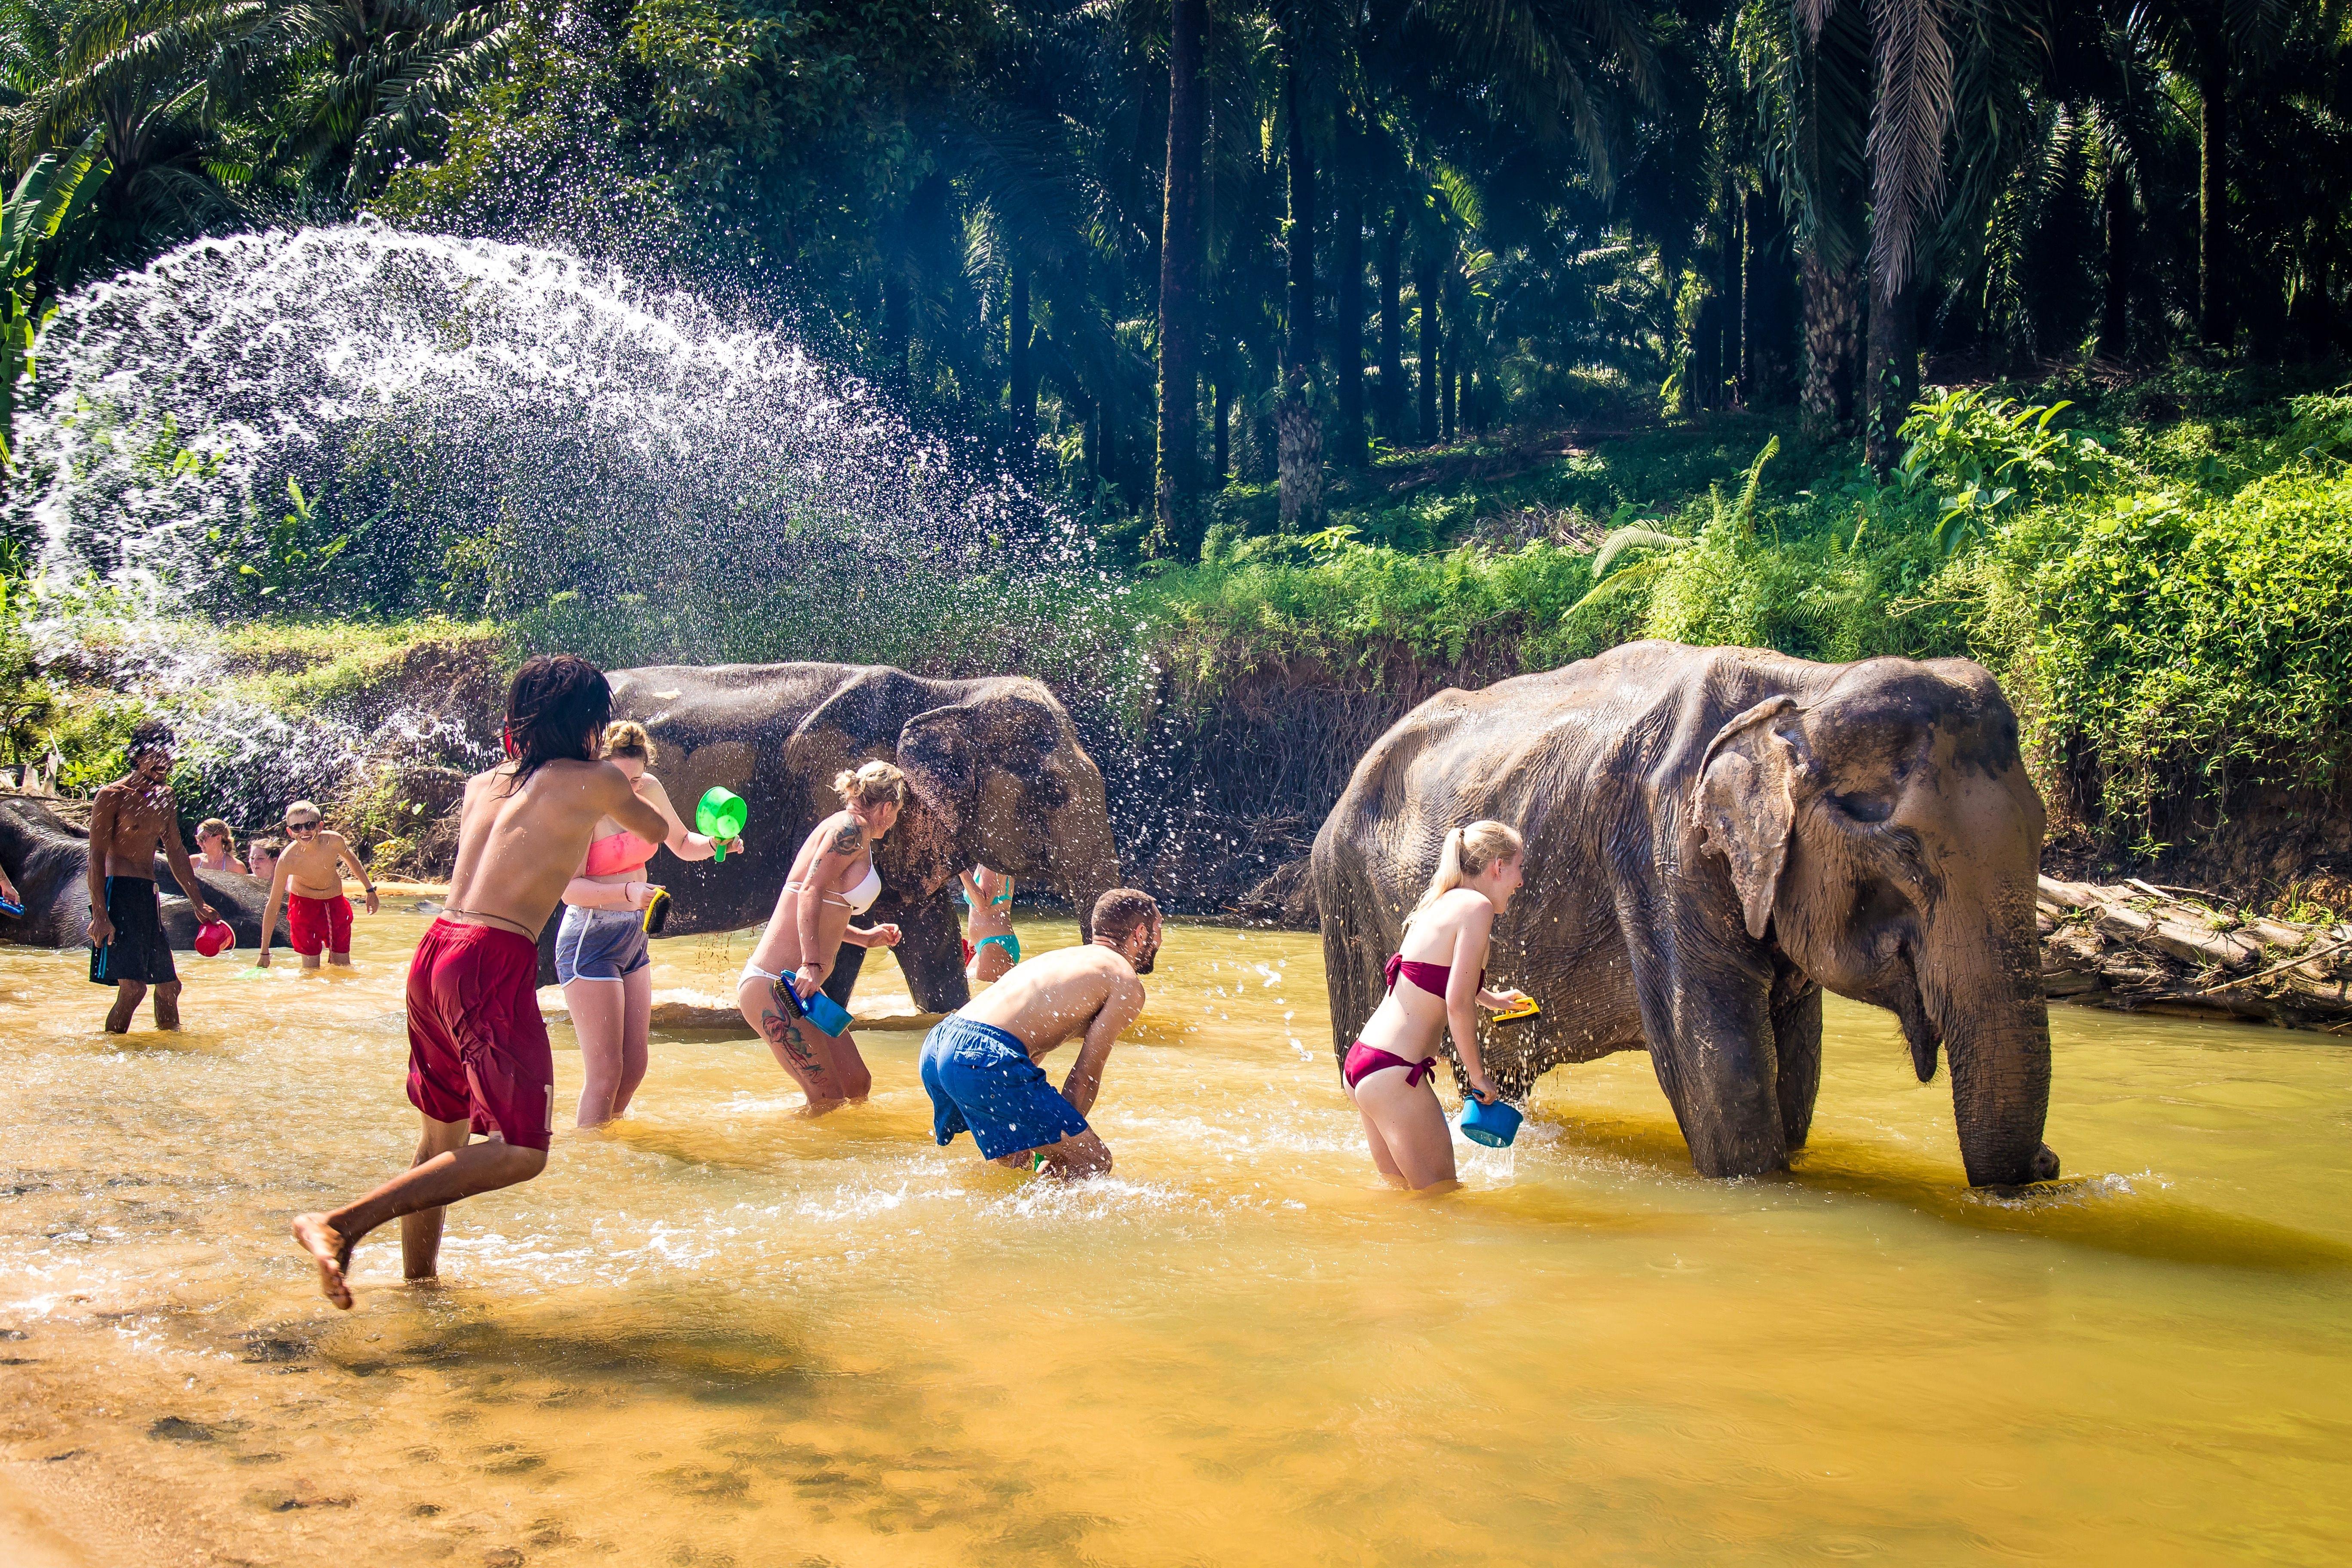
{"points": [[309, 882], [478, 1053]]}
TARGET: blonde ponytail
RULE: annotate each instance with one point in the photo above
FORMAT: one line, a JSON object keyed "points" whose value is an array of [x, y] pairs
{"points": [[1466, 852]]}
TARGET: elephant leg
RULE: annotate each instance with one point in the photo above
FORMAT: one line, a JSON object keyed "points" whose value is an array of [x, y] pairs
{"points": [[1797, 1052], [1706, 1010], [930, 950], [841, 979]]}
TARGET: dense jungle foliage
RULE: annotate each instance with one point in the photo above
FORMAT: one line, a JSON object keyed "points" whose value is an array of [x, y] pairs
{"points": [[1360, 340]]}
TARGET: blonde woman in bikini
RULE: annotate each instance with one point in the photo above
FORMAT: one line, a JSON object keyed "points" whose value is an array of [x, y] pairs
{"points": [[1437, 981], [601, 956], [833, 878]]}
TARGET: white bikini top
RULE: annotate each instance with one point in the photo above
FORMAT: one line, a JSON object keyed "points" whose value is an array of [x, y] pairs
{"points": [[860, 898]]}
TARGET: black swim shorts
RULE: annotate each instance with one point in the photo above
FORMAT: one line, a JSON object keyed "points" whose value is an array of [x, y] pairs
{"points": [[140, 949]]}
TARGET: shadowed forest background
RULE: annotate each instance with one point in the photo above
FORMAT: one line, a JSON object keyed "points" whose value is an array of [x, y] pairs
{"points": [[1363, 349]]}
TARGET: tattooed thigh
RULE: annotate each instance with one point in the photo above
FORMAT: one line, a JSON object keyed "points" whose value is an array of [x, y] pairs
{"points": [[785, 1033]]}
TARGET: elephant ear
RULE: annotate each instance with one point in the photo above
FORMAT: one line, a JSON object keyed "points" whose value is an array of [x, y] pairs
{"points": [[937, 753], [1747, 803]]}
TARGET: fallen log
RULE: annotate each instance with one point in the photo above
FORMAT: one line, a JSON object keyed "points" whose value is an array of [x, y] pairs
{"points": [[2140, 947]]}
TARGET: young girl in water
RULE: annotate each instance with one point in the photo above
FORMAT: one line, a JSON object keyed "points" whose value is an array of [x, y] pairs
{"points": [[834, 877], [217, 848], [1436, 980], [601, 957]]}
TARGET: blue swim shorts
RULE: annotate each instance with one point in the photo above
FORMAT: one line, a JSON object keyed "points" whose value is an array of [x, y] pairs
{"points": [[599, 944], [981, 1081]]}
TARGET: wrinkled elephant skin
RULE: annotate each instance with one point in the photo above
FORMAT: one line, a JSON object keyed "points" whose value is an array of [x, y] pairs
{"points": [[49, 859], [998, 775], [1714, 836]]}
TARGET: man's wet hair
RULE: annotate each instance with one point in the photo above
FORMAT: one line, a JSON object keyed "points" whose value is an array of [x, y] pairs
{"points": [[1119, 912], [556, 711], [149, 735]]}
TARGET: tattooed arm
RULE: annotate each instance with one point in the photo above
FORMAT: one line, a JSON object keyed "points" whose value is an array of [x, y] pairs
{"points": [[841, 843]]}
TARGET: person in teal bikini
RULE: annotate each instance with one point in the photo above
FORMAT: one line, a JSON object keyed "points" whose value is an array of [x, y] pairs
{"points": [[994, 947]]}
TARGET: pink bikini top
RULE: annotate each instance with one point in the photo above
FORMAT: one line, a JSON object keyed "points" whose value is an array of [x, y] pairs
{"points": [[1430, 977], [622, 851]]}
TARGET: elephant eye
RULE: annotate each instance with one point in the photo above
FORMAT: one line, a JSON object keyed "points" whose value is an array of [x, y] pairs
{"points": [[1863, 807]]}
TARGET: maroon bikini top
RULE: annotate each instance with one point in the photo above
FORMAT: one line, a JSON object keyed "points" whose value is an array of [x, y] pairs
{"points": [[1430, 977]]}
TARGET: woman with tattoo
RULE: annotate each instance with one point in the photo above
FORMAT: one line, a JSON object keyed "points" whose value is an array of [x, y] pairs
{"points": [[833, 878]]}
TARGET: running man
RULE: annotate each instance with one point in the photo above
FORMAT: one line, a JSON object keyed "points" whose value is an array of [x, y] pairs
{"points": [[309, 882], [478, 1053], [980, 1065], [131, 818]]}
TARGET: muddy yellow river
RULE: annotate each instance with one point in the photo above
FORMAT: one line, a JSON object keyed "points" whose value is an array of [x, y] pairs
{"points": [[720, 1334]]}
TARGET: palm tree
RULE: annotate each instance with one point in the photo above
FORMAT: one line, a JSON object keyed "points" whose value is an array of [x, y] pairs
{"points": [[1181, 244]]}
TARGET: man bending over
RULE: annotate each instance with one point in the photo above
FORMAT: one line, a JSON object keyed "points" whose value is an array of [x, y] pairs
{"points": [[980, 1065], [478, 1053], [131, 819]]}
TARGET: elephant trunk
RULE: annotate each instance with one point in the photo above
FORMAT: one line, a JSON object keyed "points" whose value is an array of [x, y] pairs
{"points": [[1983, 989], [1084, 863]]}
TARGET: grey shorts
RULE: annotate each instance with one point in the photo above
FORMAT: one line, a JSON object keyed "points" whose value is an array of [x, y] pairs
{"points": [[599, 944]]}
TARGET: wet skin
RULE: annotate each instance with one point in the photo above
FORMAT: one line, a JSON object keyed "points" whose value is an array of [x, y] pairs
{"points": [[1092, 992], [311, 868], [812, 919], [516, 848], [1410, 1143], [130, 821]]}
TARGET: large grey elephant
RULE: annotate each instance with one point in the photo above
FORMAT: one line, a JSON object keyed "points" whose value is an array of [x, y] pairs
{"points": [[1714, 835], [49, 859], [999, 778]]}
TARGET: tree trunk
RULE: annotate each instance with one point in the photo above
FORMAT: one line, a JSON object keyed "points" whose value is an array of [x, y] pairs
{"points": [[1894, 371], [1426, 286], [1022, 428], [1769, 290], [1735, 314], [1707, 351], [1299, 461], [1349, 349], [1221, 444], [1298, 356], [1450, 385], [1174, 498], [2213, 315], [896, 330], [1833, 345], [1392, 390], [2115, 317]]}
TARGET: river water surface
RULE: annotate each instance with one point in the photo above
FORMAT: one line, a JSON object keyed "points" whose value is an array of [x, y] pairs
{"points": [[719, 1333]]}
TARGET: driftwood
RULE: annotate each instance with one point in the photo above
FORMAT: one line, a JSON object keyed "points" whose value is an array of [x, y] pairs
{"points": [[2145, 949]]}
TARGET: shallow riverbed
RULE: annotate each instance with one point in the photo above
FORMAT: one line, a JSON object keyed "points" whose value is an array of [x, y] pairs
{"points": [[719, 1333]]}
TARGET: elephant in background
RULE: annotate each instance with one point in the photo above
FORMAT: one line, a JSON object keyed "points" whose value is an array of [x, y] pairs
{"points": [[1714, 836], [998, 777], [49, 859]]}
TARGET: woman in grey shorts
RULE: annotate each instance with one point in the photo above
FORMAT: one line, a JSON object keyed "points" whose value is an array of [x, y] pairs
{"points": [[599, 949]]}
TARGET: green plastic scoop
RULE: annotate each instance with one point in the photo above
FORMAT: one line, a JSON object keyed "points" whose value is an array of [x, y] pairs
{"points": [[720, 817]]}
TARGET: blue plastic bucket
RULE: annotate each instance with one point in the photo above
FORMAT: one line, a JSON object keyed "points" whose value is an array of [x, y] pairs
{"points": [[1494, 1125]]}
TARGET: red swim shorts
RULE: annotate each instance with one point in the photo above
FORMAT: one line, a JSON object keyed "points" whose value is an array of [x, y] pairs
{"points": [[318, 922], [477, 1046]]}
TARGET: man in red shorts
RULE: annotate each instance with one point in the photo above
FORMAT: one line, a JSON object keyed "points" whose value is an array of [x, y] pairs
{"points": [[477, 1052], [308, 882]]}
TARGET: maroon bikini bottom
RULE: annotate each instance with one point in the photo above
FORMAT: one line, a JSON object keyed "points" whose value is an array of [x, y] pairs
{"points": [[1364, 1060]]}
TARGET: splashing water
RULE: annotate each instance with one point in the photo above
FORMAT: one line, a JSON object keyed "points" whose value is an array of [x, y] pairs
{"points": [[359, 419]]}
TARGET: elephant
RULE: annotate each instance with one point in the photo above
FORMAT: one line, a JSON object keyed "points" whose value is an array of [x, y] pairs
{"points": [[997, 773], [1714, 835], [49, 859]]}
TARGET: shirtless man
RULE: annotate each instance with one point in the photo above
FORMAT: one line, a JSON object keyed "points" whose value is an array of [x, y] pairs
{"points": [[308, 883], [130, 820], [980, 1065], [477, 1051]]}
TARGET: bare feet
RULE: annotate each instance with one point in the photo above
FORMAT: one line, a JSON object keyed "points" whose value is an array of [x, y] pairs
{"points": [[816, 1108], [325, 1247]]}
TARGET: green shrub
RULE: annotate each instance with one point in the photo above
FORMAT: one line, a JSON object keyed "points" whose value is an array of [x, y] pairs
{"points": [[2177, 637]]}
